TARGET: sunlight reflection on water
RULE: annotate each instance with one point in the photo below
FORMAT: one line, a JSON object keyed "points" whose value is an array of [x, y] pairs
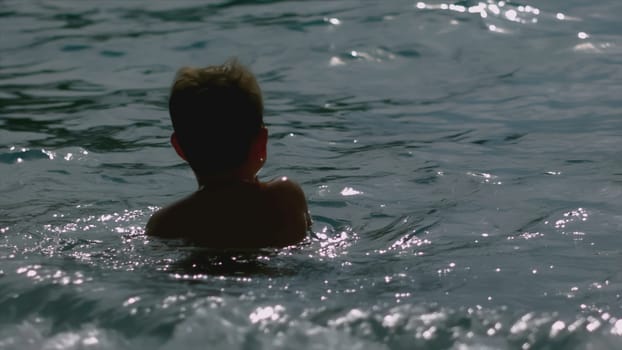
{"points": [[459, 160]]}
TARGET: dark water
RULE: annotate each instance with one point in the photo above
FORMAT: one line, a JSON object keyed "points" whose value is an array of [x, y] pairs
{"points": [[461, 161]]}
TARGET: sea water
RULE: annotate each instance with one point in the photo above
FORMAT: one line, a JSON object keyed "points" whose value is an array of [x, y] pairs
{"points": [[461, 162]]}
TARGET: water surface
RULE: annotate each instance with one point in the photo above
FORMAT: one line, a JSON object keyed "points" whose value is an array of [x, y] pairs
{"points": [[461, 163]]}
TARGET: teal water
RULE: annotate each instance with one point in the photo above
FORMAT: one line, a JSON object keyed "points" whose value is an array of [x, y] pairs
{"points": [[461, 161]]}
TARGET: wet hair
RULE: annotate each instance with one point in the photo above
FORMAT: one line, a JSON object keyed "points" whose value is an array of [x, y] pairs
{"points": [[216, 112]]}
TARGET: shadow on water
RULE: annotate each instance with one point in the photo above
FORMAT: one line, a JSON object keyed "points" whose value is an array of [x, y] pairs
{"points": [[229, 263]]}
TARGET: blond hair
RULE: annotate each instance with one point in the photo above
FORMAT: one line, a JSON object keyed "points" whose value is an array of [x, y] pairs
{"points": [[216, 111]]}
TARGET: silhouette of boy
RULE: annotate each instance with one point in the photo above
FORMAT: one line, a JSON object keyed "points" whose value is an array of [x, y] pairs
{"points": [[217, 116]]}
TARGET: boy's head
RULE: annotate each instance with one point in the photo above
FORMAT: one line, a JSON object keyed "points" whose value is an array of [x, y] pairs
{"points": [[216, 112]]}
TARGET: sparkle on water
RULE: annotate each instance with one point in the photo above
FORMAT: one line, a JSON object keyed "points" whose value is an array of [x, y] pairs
{"points": [[460, 162]]}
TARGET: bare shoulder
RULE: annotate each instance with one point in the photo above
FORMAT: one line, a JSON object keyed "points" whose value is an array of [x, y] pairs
{"points": [[165, 221], [286, 191], [287, 195], [288, 199], [156, 226], [273, 213]]}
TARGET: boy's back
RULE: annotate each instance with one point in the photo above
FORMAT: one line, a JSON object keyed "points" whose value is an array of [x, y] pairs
{"points": [[237, 215]]}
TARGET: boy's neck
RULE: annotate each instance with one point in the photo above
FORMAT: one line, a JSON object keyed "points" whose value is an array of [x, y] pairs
{"points": [[238, 176]]}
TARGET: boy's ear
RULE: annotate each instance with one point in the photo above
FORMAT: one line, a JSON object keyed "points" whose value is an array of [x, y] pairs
{"points": [[176, 146], [262, 143], [258, 151]]}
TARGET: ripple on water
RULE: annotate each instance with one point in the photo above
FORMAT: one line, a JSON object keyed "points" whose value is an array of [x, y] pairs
{"points": [[459, 160]]}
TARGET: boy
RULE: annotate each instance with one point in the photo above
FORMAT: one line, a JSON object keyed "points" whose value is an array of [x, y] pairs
{"points": [[217, 116]]}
